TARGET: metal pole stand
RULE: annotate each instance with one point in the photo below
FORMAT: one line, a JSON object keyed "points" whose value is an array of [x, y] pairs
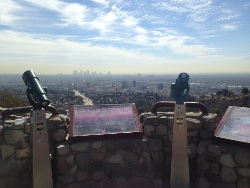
{"points": [[42, 174], [179, 163], [37, 97]]}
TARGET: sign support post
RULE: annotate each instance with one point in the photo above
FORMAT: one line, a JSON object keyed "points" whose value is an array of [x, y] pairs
{"points": [[179, 163]]}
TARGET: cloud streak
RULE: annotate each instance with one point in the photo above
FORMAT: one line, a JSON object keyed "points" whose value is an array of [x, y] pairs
{"points": [[78, 30]]}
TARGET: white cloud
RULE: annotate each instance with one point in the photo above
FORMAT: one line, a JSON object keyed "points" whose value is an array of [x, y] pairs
{"points": [[130, 21], [8, 11], [102, 2], [229, 27], [21, 51], [71, 13]]}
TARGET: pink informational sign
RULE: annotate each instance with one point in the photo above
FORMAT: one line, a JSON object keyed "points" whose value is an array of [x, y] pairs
{"points": [[103, 120], [235, 125]]}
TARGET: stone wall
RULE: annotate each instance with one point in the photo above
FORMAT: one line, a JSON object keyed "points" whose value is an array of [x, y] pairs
{"points": [[124, 162], [221, 165], [15, 160]]}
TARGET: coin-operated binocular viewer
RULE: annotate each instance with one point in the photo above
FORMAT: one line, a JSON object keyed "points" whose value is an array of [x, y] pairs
{"points": [[180, 89], [37, 97], [179, 163]]}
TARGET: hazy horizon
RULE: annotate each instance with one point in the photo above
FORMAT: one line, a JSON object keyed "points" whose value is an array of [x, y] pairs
{"points": [[125, 37]]}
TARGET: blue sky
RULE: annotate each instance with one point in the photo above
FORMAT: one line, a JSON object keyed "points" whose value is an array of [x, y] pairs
{"points": [[125, 36]]}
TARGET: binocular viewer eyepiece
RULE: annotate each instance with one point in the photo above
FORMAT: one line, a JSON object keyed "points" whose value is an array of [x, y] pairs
{"points": [[37, 96], [180, 89]]}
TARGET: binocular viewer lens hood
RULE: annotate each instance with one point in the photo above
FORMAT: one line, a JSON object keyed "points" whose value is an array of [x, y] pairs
{"points": [[39, 97]]}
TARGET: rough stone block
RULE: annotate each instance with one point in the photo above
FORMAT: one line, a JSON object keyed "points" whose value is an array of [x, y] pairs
{"points": [[131, 170], [96, 145], [202, 183], [210, 121], [150, 120], [244, 172], [215, 168], [193, 150], [128, 144], [142, 182], [6, 150], [243, 183], [157, 156], [146, 154], [69, 159], [122, 183], [214, 149], [227, 160], [163, 120], [83, 160], [63, 148], [61, 165], [206, 134], [228, 174], [149, 130], [55, 121], [8, 166], [27, 128], [66, 179], [170, 121], [158, 184], [1, 129], [81, 146], [155, 144], [113, 170], [192, 133], [161, 130], [98, 175], [202, 147], [222, 185], [13, 136], [131, 157], [98, 156], [22, 153], [241, 159], [193, 124], [116, 159], [59, 135], [202, 164], [81, 176], [111, 146]]}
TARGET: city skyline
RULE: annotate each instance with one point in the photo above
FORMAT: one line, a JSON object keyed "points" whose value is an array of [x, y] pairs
{"points": [[145, 37]]}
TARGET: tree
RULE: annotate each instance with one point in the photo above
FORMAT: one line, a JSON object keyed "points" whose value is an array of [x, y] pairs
{"points": [[9, 100], [244, 90]]}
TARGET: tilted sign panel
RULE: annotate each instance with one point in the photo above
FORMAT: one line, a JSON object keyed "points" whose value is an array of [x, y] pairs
{"points": [[235, 125], [103, 120]]}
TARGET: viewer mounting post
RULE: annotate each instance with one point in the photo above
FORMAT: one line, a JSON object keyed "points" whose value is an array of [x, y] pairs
{"points": [[37, 96], [179, 163]]}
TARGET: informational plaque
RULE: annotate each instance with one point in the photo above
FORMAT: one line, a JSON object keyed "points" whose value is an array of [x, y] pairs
{"points": [[235, 125], [97, 121]]}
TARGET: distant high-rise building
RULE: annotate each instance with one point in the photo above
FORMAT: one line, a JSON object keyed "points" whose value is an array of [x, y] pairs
{"points": [[134, 83], [160, 86], [139, 75], [124, 84], [75, 72]]}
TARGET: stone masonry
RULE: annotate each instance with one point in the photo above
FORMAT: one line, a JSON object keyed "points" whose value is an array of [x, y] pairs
{"points": [[125, 162]]}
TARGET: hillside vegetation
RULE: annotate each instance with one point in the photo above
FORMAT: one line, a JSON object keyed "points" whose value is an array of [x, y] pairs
{"points": [[10, 100], [219, 104]]}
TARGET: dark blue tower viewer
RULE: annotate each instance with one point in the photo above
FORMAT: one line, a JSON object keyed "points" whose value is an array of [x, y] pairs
{"points": [[180, 89]]}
